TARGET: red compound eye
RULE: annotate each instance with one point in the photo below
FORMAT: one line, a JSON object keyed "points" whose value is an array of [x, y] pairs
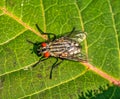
{"points": [[46, 54], [44, 44]]}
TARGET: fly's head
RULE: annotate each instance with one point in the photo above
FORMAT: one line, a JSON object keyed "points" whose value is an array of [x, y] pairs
{"points": [[43, 50], [40, 49]]}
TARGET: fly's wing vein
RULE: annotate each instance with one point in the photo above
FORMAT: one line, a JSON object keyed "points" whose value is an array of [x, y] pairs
{"points": [[78, 57]]}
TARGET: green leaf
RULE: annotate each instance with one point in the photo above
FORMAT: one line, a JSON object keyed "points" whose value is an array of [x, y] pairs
{"points": [[99, 18], [111, 92]]}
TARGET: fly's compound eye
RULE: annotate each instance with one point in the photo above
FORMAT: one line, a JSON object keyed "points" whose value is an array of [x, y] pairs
{"points": [[43, 44], [46, 54]]}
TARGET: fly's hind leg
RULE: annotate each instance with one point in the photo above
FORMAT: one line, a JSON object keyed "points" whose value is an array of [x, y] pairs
{"points": [[55, 65], [69, 34]]}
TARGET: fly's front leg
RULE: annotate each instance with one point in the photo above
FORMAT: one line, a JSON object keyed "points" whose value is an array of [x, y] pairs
{"points": [[40, 60], [55, 65], [54, 36]]}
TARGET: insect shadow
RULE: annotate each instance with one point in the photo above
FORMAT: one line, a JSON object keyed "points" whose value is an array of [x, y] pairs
{"points": [[66, 47]]}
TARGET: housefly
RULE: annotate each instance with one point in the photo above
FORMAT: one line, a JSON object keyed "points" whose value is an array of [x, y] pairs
{"points": [[67, 47]]}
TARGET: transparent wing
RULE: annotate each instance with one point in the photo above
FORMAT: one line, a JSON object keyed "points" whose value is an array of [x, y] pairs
{"points": [[76, 35], [77, 57]]}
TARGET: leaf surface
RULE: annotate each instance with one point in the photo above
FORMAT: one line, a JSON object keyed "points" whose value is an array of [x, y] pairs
{"points": [[99, 18]]}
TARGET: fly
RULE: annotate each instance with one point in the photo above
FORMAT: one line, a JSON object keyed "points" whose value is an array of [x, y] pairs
{"points": [[67, 47]]}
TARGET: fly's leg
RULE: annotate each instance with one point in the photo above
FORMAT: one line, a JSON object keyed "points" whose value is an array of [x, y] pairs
{"points": [[40, 60], [68, 35], [54, 36], [55, 65], [80, 35], [72, 30]]}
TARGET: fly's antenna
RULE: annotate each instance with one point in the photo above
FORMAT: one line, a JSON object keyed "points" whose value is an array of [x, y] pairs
{"points": [[30, 42], [36, 43]]}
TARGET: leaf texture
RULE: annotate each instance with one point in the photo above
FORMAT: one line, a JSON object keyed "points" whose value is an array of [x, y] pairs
{"points": [[71, 80]]}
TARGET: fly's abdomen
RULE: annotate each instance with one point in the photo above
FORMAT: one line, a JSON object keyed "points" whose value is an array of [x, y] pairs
{"points": [[63, 48]]}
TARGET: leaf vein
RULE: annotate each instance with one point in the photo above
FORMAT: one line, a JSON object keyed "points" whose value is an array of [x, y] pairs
{"points": [[47, 88], [43, 14], [114, 26], [14, 37], [82, 24], [21, 22]]}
